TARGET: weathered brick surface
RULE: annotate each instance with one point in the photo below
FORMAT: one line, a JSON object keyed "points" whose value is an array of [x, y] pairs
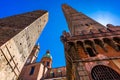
{"points": [[91, 44]]}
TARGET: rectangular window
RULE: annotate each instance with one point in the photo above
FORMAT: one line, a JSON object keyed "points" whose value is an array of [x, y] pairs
{"points": [[32, 70], [48, 63]]}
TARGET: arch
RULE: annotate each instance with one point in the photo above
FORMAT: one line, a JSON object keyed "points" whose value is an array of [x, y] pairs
{"points": [[79, 43], [90, 51], [110, 42], [90, 48], [101, 72], [88, 42], [99, 42], [116, 39], [107, 40]]}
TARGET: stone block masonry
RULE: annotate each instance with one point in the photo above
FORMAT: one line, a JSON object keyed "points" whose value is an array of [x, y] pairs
{"points": [[18, 35]]}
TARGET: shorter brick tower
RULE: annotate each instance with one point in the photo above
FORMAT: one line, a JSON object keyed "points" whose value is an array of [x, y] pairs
{"points": [[47, 60]]}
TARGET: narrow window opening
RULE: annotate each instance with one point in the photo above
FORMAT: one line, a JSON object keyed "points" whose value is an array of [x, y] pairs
{"points": [[48, 63], [90, 51], [32, 70]]}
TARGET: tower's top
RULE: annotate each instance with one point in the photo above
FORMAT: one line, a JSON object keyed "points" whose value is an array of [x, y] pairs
{"points": [[78, 22], [47, 55], [21, 20], [12, 25]]}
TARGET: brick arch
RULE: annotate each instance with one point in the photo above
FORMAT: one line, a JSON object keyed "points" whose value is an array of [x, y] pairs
{"points": [[80, 43], [117, 39], [102, 72], [110, 42], [100, 43], [106, 40], [90, 48], [88, 42]]}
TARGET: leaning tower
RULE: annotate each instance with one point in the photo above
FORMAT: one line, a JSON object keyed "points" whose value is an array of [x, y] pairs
{"points": [[18, 35], [92, 50]]}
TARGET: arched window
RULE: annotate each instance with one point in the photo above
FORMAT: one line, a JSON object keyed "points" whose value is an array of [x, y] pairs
{"points": [[102, 72], [90, 52]]}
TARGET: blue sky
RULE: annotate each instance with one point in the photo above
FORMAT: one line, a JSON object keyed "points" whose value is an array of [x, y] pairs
{"points": [[103, 11]]}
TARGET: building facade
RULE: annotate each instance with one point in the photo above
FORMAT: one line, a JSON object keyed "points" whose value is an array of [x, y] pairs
{"points": [[92, 50], [18, 35], [41, 70]]}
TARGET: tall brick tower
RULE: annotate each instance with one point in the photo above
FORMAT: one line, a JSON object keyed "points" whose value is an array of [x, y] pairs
{"points": [[92, 50], [18, 35]]}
